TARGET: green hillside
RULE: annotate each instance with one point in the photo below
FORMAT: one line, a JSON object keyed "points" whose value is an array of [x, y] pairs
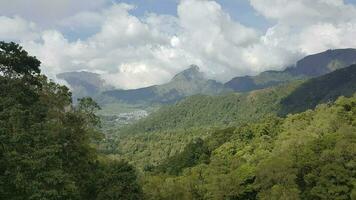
{"points": [[201, 110], [165, 132], [310, 155], [322, 89]]}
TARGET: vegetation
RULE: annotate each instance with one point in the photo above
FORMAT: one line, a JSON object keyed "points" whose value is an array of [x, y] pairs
{"points": [[210, 111], [323, 89], [46, 145], [311, 155], [232, 146]]}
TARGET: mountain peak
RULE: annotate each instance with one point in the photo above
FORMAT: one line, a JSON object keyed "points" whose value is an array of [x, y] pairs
{"points": [[193, 68], [191, 73]]}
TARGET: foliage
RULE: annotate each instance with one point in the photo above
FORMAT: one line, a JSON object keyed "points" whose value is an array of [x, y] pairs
{"points": [[45, 143], [310, 155], [145, 150], [324, 89], [210, 111]]}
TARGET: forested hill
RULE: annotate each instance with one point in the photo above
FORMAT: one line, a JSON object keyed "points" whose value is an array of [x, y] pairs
{"points": [[322, 89], [310, 155], [202, 110]]}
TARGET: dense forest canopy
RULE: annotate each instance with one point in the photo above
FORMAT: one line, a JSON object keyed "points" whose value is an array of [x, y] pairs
{"points": [[47, 149], [310, 155]]}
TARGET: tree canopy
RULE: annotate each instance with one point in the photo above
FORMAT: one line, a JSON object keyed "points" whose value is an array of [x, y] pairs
{"points": [[46, 149]]}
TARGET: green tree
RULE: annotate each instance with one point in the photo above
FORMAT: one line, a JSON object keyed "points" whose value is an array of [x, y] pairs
{"points": [[46, 149]]}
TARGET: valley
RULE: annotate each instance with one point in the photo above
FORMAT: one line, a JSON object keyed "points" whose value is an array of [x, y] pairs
{"points": [[282, 137], [177, 100]]}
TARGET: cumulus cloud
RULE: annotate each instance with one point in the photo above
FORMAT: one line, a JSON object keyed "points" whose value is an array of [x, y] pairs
{"points": [[301, 12], [16, 28], [210, 35], [305, 27], [132, 52], [47, 12]]}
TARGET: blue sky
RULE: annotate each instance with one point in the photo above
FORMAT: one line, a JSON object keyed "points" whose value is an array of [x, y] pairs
{"points": [[240, 10]]}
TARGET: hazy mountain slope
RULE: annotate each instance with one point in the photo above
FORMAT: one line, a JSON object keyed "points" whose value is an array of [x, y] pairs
{"points": [[263, 80], [310, 66], [188, 82], [325, 62], [322, 89], [84, 83]]}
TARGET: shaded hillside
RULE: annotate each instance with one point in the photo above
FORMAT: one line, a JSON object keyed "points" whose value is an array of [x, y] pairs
{"points": [[201, 110], [188, 82], [322, 89], [263, 80], [310, 66]]}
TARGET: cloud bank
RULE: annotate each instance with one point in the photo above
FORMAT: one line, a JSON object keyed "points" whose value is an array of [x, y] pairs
{"points": [[131, 52]]}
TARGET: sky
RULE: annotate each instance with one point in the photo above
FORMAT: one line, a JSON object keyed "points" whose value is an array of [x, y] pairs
{"points": [[137, 43]]}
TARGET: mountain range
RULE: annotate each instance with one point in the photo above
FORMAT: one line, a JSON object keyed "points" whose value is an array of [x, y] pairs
{"points": [[186, 83], [308, 67], [193, 82], [239, 108]]}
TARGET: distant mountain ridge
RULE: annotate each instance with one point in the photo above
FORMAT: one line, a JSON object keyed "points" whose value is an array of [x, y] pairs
{"points": [[322, 89], [294, 97], [192, 81], [308, 67], [186, 83], [84, 83]]}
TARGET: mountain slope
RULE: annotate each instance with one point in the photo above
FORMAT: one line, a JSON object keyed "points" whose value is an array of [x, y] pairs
{"points": [[189, 82], [238, 108], [84, 83], [310, 66], [208, 111], [304, 156], [322, 89]]}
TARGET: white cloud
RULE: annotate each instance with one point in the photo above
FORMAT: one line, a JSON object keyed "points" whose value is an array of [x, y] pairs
{"points": [[122, 42], [302, 12], [135, 75], [304, 27], [210, 35], [134, 52], [16, 28], [47, 12]]}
